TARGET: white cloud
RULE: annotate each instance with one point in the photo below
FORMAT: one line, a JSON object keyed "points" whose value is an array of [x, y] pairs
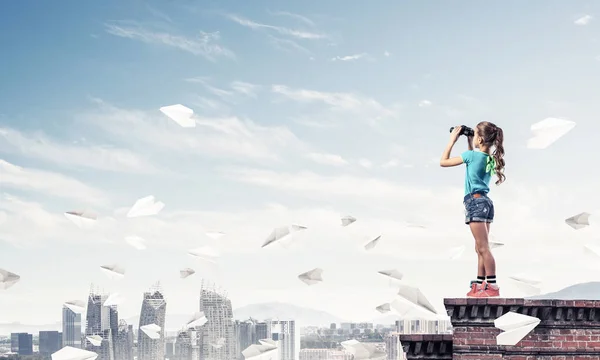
{"points": [[282, 30], [221, 137], [301, 18], [287, 45], [349, 57], [386, 54], [390, 164], [94, 157], [204, 45], [366, 163], [245, 88], [425, 103], [49, 184], [327, 159], [584, 20], [225, 95]]}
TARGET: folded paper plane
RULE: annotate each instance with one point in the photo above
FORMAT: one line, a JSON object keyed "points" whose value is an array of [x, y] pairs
{"points": [[266, 348], [76, 306], [526, 284], [372, 243], [83, 219], [384, 308], [579, 221], [136, 242], [95, 340], [113, 300], [547, 131], [456, 252], [8, 279], [71, 353], [347, 220], [217, 344], [180, 114], [415, 296], [312, 277], [393, 273], [184, 273], [363, 351], [146, 206], [515, 326], [152, 330], [216, 235], [281, 233], [113, 271], [198, 319], [206, 253]]}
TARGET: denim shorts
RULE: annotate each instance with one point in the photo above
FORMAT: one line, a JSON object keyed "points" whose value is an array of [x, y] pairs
{"points": [[478, 208]]}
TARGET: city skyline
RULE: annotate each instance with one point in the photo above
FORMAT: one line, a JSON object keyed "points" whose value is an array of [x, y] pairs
{"points": [[304, 114]]}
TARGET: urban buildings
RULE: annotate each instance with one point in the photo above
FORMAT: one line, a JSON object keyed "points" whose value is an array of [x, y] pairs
{"points": [[124, 342], [245, 335], [21, 343], [71, 328], [216, 337], [418, 326], [154, 307], [287, 338], [324, 354], [49, 343]]}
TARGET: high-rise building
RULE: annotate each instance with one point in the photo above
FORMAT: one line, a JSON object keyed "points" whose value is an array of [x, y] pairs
{"points": [[285, 333], [183, 346], [324, 354], [245, 335], [216, 336], [154, 307], [101, 321], [123, 341], [71, 328], [21, 343], [263, 331], [393, 347], [49, 343], [421, 326]]}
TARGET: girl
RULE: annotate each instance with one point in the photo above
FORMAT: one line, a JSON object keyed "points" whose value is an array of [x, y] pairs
{"points": [[479, 208]]}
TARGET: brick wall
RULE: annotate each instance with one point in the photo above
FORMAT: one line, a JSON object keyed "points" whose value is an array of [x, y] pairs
{"points": [[425, 346], [569, 330]]}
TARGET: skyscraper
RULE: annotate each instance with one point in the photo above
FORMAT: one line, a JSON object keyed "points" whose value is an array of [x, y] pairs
{"points": [[71, 328], [101, 321], [183, 346], [153, 311], [123, 341], [245, 335], [216, 336], [49, 343], [263, 331], [21, 343], [284, 332]]}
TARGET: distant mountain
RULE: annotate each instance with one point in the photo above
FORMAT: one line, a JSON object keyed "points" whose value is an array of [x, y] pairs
{"points": [[304, 316], [583, 291]]}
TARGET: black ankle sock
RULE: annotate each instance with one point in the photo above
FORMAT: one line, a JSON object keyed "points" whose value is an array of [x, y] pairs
{"points": [[480, 279], [491, 279]]}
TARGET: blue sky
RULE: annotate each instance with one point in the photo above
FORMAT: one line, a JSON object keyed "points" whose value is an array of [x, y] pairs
{"points": [[307, 112]]}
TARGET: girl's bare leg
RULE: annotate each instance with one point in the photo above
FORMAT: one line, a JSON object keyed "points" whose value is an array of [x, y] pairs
{"points": [[480, 231]]}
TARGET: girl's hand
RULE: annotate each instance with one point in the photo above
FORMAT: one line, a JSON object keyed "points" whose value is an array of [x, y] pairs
{"points": [[455, 134]]}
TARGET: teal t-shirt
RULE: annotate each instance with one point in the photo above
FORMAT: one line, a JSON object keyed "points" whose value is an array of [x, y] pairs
{"points": [[476, 177]]}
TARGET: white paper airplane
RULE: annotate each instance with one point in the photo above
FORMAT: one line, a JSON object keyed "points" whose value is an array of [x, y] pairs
{"points": [[383, 308], [76, 306], [363, 351], [152, 330], [113, 271], [216, 235], [414, 295], [136, 242], [218, 343], [312, 277], [83, 219], [347, 220], [578, 221], [515, 326], [548, 131], [198, 319], [206, 253], [372, 243], [456, 252], [184, 273], [8, 279], [95, 340], [113, 300], [180, 114], [393, 273], [261, 351], [146, 206], [528, 285], [281, 233], [71, 353]]}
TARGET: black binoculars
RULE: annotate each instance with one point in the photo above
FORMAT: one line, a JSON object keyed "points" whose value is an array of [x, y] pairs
{"points": [[466, 131]]}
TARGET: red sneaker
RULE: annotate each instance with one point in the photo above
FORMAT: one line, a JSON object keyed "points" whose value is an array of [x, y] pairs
{"points": [[475, 287], [490, 290]]}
